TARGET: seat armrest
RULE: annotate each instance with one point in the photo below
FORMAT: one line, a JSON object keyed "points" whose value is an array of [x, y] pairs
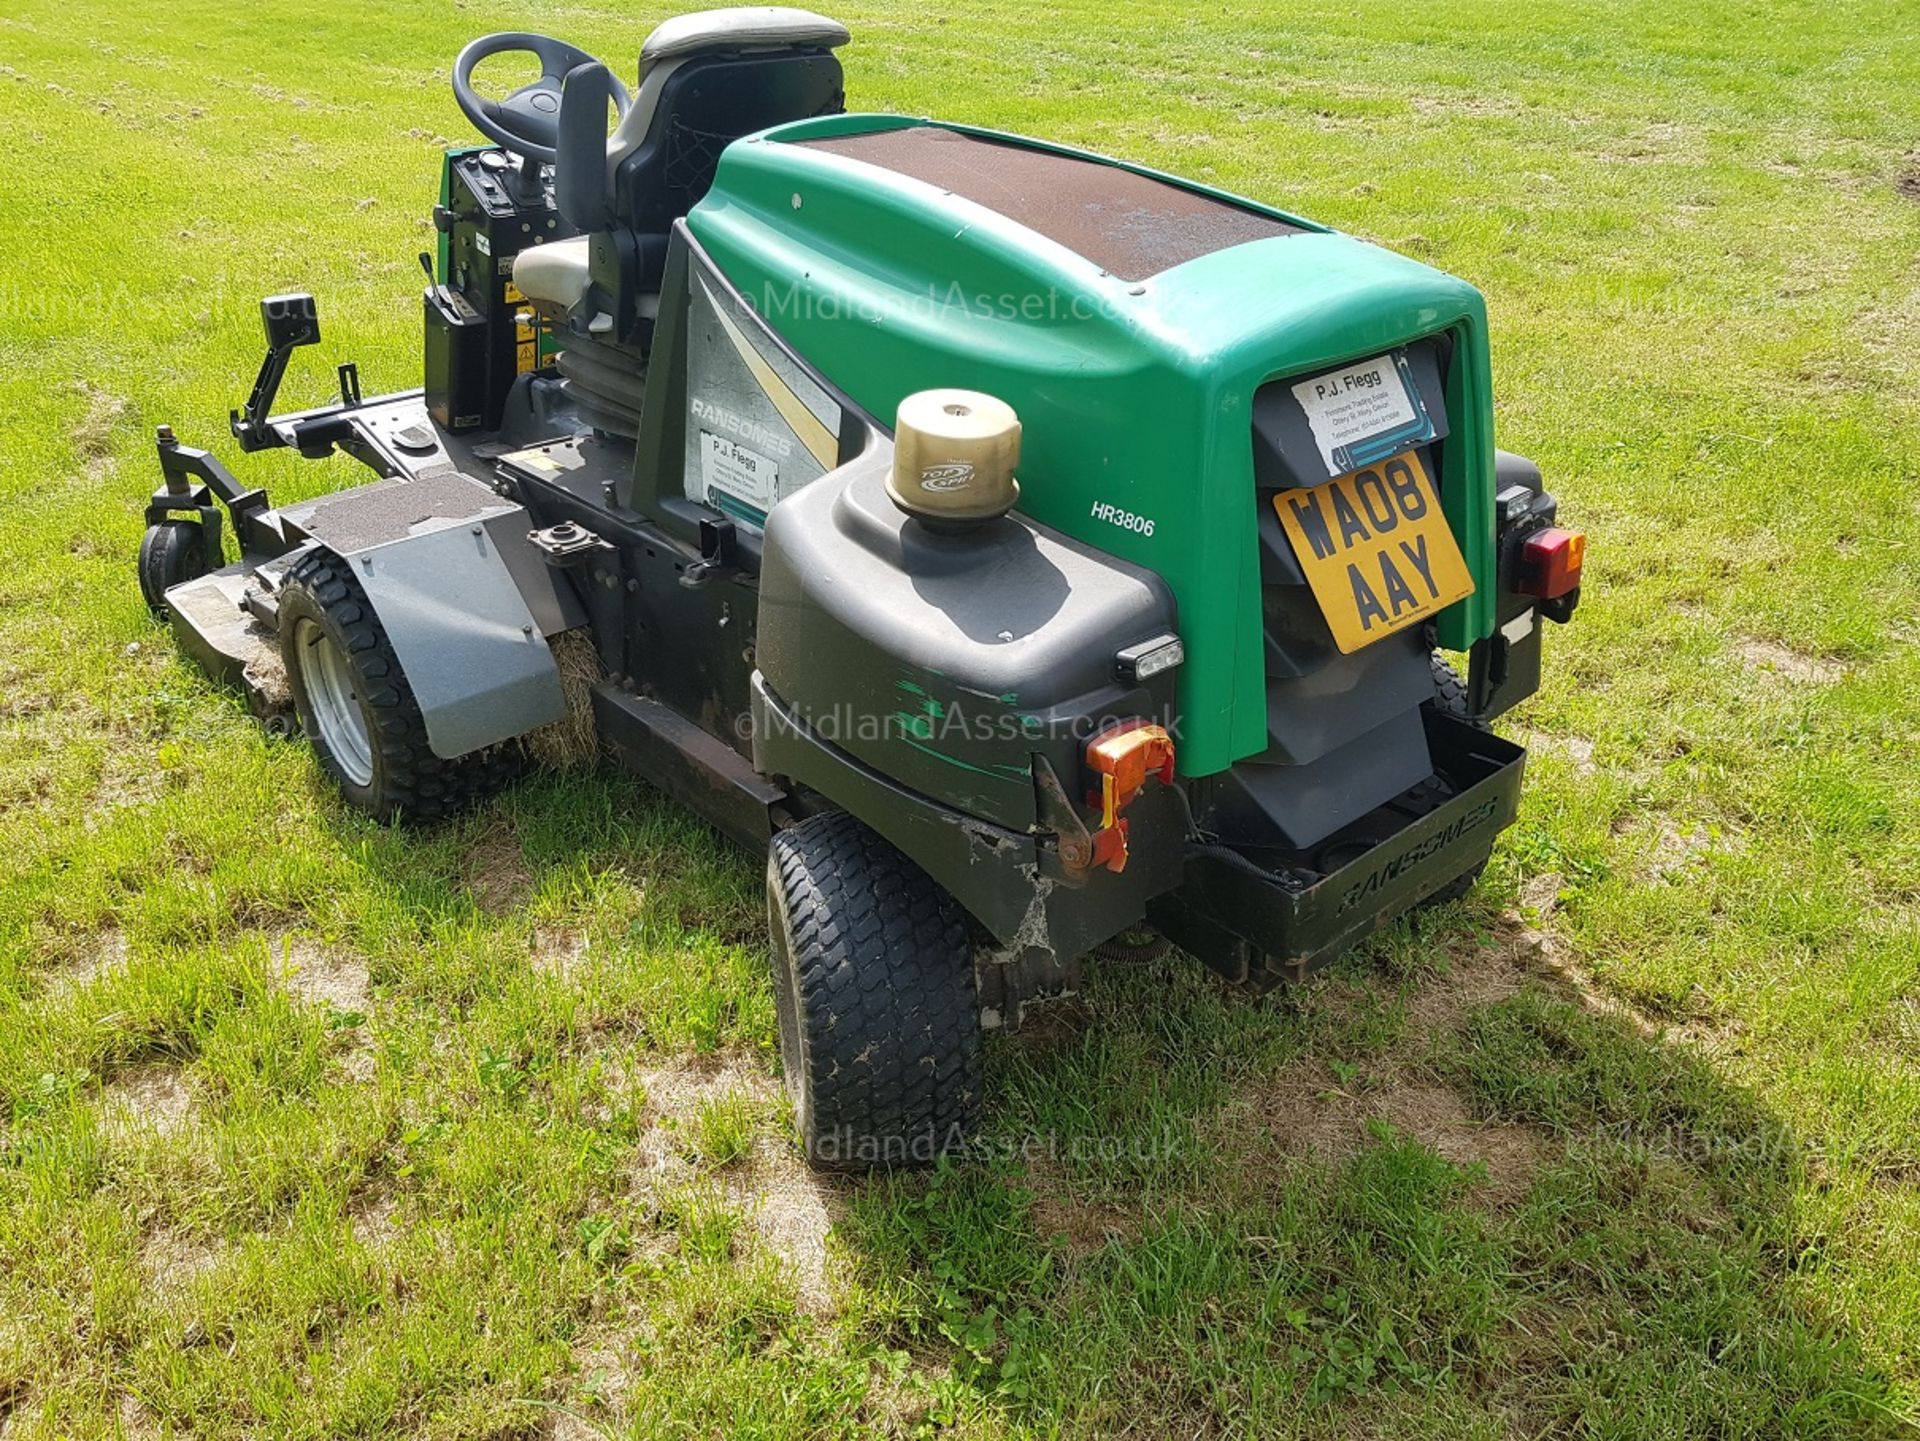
{"points": [[581, 188]]}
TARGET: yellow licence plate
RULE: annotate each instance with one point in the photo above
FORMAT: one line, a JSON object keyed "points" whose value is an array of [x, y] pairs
{"points": [[1377, 551]]}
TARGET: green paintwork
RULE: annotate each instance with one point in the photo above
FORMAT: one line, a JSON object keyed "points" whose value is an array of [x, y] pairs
{"points": [[917, 730], [1138, 395]]}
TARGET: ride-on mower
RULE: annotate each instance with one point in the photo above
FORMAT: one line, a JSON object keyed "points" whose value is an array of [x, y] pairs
{"points": [[720, 426]]}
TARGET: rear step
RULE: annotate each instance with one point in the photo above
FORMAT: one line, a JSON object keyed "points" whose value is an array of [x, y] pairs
{"points": [[689, 764], [1269, 916]]}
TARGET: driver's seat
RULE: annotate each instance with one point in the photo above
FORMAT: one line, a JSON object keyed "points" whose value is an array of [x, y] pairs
{"points": [[705, 80]]}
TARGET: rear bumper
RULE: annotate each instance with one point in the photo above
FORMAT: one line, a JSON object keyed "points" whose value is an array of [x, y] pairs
{"points": [[1256, 926], [1254, 916]]}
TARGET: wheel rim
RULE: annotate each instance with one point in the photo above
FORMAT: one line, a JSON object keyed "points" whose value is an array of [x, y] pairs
{"points": [[339, 721]]}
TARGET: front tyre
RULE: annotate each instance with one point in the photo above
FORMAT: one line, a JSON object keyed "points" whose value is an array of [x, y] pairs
{"points": [[873, 983], [357, 709]]}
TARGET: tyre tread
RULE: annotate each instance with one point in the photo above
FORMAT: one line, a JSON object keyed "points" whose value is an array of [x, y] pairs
{"points": [[171, 552], [883, 966], [1450, 697]]}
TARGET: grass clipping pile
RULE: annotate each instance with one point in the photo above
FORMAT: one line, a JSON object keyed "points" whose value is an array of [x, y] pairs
{"points": [[574, 740]]}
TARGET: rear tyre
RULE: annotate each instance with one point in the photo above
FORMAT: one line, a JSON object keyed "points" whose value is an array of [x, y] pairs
{"points": [[1450, 698], [1136, 945], [172, 552], [1449, 689], [873, 983], [357, 709]]}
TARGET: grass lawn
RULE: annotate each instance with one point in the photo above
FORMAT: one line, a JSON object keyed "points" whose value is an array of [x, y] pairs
{"points": [[311, 1128]]}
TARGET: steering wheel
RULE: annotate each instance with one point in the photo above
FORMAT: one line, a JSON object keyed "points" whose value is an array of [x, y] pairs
{"points": [[527, 122]]}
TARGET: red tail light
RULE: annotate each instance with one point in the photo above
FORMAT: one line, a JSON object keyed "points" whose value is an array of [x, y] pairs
{"points": [[1550, 562]]}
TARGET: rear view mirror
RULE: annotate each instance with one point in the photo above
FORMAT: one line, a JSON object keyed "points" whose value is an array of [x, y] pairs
{"points": [[290, 320]]}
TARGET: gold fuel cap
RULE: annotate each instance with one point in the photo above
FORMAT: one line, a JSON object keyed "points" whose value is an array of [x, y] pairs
{"points": [[954, 452]]}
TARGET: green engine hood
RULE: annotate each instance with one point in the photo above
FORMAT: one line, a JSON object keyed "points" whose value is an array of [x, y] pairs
{"points": [[1135, 394]]}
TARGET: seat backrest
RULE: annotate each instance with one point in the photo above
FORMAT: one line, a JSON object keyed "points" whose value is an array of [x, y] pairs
{"points": [[706, 80]]}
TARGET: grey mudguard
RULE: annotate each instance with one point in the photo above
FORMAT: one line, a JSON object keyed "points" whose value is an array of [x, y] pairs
{"points": [[465, 600]]}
